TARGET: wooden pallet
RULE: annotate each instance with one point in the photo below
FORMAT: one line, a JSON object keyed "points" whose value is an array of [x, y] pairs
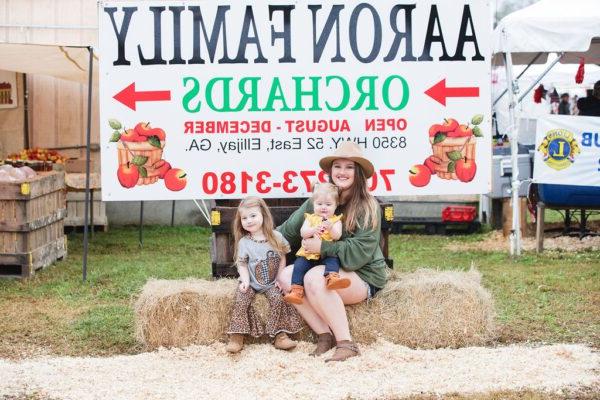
{"points": [[25, 265], [32, 224], [76, 211]]}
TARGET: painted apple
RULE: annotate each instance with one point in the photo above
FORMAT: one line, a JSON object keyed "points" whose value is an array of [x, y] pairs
{"points": [[434, 129], [175, 179], [449, 125], [461, 131], [432, 162], [162, 167], [465, 169], [128, 175], [144, 129], [419, 175], [130, 135]]}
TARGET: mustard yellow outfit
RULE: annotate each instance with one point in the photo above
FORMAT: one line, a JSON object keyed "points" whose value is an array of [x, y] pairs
{"points": [[315, 220]]}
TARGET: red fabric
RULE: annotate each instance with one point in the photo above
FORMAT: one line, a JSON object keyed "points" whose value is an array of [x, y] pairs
{"points": [[537, 94], [580, 71]]}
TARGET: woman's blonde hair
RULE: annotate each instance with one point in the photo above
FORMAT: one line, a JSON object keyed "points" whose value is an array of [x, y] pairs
{"points": [[326, 189], [361, 210], [267, 227]]}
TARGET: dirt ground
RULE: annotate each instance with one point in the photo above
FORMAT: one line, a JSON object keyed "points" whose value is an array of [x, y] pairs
{"points": [[495, 241], [384, 371]]}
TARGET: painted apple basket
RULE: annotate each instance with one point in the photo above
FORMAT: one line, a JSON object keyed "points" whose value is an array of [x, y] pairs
{"points": [[128, 151], [447, 149]]}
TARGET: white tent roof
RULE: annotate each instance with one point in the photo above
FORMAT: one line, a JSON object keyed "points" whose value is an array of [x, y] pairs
{"points": [[551, 26], [63, 62]]}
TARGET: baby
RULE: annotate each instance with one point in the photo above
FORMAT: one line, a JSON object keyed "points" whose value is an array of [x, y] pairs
{"points": [[326, 225]]}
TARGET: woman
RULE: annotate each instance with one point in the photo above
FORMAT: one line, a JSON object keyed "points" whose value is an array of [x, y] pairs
{"points": [[358, 250]]}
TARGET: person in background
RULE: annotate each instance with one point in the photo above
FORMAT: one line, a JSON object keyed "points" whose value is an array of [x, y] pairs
{"points": [[564, 107], [590, 105], [574, 109], [554, 100]]}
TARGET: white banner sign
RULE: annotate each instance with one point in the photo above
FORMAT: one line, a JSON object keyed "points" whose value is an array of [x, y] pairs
{"points": [[215, 99], [567, 150]]}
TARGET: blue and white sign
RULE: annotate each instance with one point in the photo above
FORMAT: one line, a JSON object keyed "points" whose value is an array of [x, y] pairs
{"points": [[567, 150]]}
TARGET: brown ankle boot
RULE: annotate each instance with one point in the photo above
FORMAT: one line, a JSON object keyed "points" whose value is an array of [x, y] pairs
{"points": [[344, 350], [334, 281], [236, 343], [325, 342], [295, 295], [283, 342]]}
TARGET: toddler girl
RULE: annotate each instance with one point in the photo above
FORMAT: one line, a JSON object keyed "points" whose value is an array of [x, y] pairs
{"points": [[327, 226], [259, 254]]}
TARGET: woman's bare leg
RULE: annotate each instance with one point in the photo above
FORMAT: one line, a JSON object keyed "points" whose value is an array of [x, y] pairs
{"points": [[330, 303], [306, 310]]}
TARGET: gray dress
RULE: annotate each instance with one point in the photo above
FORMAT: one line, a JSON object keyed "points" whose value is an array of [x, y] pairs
{"points": [[262, 261], [263, 264]]}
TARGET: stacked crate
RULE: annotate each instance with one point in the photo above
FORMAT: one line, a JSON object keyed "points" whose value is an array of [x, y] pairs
{"points": [[32, 224]]}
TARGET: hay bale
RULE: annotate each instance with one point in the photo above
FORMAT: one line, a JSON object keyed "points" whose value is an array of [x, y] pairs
{"points": [[425, 309], [178, 313], [428, 309]]}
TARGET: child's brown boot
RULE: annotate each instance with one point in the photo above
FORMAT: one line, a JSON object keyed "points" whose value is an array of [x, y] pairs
{"points": [[236, 343], [335, 282], [295, 295], [283, 342]]}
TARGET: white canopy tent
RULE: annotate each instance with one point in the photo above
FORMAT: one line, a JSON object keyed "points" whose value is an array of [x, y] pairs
{"points": [[570, 29], [64, 62], [551, 26], [75, 63]]}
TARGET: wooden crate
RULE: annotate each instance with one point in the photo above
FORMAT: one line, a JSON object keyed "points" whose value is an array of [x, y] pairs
{"points": [[76, 210], [31, 224], [222, 239]]}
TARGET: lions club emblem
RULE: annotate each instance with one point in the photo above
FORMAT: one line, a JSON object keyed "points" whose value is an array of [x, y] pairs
{"points": [[559, 149]]}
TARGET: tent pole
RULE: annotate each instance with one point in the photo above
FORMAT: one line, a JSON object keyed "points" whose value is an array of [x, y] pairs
{"points": [[87, 163], [539, 78], [515, 234], [521, 74]]}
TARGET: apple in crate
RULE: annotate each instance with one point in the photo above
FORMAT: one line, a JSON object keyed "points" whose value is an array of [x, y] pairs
{"points": [[144, 129], [461, 131], [130, 135]]}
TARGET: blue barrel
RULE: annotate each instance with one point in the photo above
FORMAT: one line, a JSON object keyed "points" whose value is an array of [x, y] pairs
{"points": [[570, 195]]}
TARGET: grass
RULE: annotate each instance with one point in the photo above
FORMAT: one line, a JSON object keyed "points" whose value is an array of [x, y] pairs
{"points": [[554, 297]]}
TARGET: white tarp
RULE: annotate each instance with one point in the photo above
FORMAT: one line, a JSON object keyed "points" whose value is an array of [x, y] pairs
{"points": [[63, 62], [551, 26], [567, 151]]}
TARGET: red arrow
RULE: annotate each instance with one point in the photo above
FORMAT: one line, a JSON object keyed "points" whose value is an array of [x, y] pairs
{"points": [[439, 92], [129, 96]]}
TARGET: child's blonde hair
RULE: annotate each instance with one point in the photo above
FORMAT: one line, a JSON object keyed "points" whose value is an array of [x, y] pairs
{"points": [[267, 227], [326, 189]]}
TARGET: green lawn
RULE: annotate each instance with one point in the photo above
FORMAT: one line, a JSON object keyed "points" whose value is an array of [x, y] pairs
{"points": [[551, 298]]}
